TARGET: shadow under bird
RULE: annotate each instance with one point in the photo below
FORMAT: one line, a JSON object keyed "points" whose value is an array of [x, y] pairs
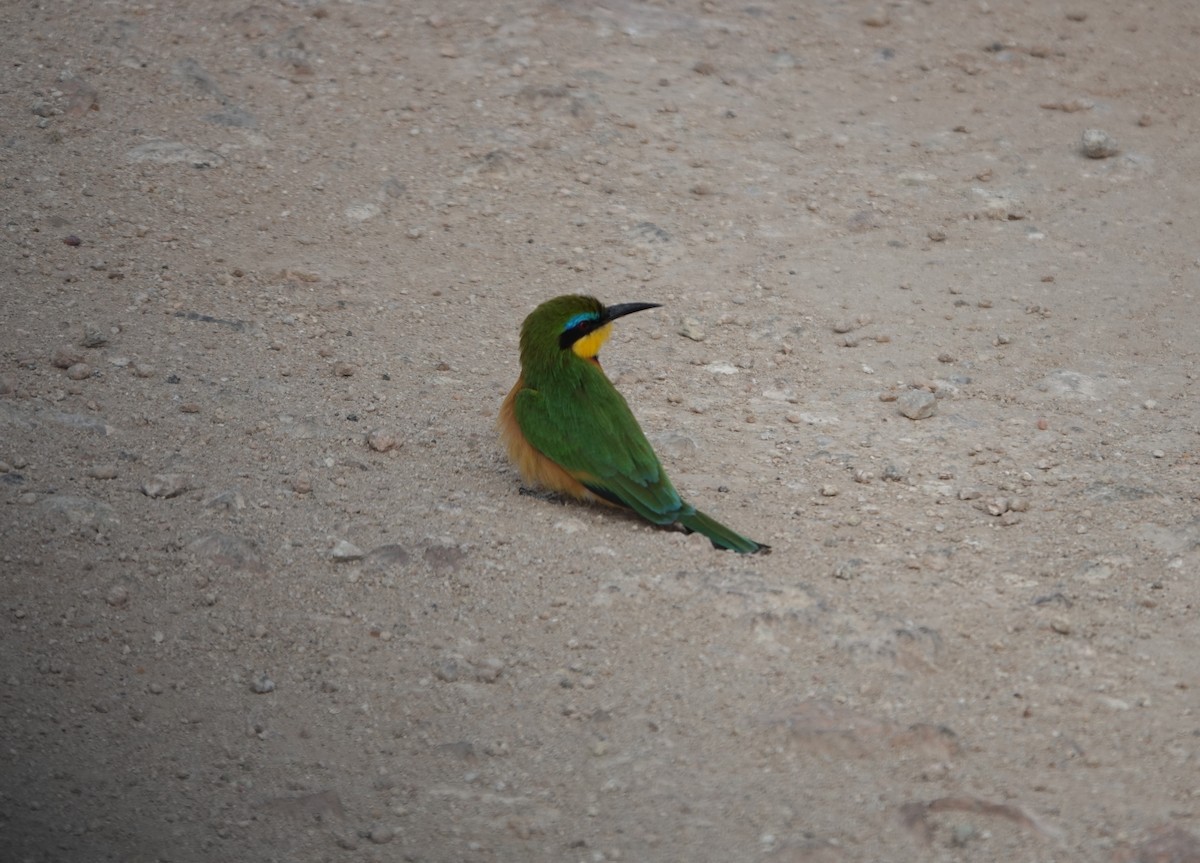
{"points": [[567, 428]]}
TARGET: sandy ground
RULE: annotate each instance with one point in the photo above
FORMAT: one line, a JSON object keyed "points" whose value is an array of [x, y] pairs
{"points": [[271, 591]]}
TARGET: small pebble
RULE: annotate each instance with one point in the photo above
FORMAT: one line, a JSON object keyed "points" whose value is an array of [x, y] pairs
{"points": [[1070, 106], [231, 501], [93, 338], [692, 328], [102, 471], [877, 17], [829, 490], [381, 441], [1098, 144], [79, 372], [164, 485], [346, 551], [675, 445], [488, 669], [262, 684], [190, 408], [343, 370], [847, 570], [64, 357], [301, 484], [143, 370], [381, 835], [117, 596], [917, 404]]}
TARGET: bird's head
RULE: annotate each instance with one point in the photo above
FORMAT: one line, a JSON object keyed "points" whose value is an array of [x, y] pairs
{"points": [[572, 323]]}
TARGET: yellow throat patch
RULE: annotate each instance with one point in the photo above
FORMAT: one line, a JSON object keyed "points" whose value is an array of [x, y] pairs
{"points": [[589, 346]]}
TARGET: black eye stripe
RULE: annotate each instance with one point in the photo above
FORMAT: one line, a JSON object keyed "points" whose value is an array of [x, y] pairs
{"points": [[573, 334]]}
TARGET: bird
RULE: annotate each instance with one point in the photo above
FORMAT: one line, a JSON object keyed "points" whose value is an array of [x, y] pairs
{"points": [[567, 428]]}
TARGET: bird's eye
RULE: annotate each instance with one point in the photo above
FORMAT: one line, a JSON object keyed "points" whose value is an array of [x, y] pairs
{"points": [[576, 320]]}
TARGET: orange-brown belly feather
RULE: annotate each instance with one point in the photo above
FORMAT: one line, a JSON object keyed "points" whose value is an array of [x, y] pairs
{"points": [[534, 467]]}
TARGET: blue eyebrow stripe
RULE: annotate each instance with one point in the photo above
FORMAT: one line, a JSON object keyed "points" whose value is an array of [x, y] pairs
{"points": [[576, 320]]}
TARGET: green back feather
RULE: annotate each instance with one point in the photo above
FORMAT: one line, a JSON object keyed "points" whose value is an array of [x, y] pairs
{"points": [[576, 417]]}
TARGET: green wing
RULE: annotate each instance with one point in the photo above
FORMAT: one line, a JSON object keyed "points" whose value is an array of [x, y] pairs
{"points": [[589, 430]]}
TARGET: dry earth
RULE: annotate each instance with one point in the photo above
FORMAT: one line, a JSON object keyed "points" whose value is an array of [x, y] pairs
{"points": [[271, 592]]}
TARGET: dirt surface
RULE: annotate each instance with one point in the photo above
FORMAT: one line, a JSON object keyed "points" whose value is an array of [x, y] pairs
{"points": [[271, 591]]}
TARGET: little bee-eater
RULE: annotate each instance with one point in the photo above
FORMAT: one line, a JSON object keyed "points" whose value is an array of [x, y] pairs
{"points": [[568, 429]]}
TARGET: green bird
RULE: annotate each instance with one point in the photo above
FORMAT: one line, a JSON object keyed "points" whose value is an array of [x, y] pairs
{"points": [[567, 428]]}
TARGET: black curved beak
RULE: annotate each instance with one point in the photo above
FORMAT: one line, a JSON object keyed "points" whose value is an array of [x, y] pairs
{"points": [[611, 313]]}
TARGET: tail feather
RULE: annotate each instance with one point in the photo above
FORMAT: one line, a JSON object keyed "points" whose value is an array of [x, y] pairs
{"points": [[719, 534]]}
